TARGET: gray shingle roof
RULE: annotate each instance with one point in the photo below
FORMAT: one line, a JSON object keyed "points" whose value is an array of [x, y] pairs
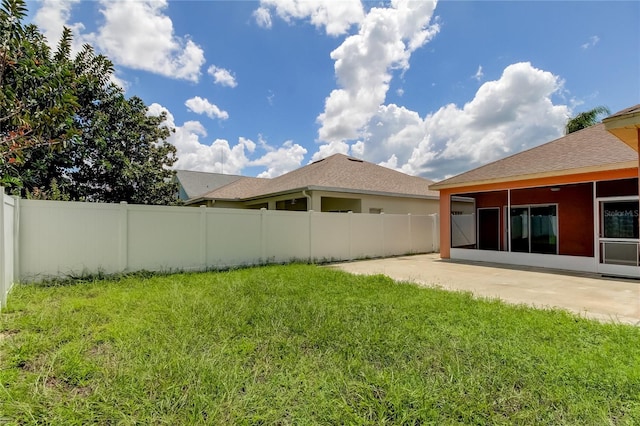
{"points": [[338, 173], [592, 147], [198, 183]]}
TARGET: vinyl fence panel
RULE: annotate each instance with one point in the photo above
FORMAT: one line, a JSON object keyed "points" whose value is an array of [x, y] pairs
{"points": [[62, 238], [331, 236], [66, 238], [8, 255], [367, 236], [233, 237], [163, 238], [287, 236], [397, 235]]}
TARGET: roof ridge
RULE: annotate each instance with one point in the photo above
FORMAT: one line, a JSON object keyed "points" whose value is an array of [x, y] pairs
{"points": [[207, 173]]}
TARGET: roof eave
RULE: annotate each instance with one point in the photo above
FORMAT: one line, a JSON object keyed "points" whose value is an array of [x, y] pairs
{"points": [[555, 173], [625, 127], [370, 192], [195, 200], [322, 188]]}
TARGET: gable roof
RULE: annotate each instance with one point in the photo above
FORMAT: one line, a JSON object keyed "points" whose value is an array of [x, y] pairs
{"points": [[587, 150], [625, 125], [198, 183], [335, 173]]}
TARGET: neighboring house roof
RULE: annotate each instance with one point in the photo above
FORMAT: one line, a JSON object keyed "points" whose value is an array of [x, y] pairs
{"points": [[335, 173], [240, 189], [587, 150], [198, 183]]}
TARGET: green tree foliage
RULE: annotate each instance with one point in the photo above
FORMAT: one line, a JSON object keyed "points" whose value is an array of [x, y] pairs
{"points": [[36, 100], [122, 154], [67, 131], [586, 119]]}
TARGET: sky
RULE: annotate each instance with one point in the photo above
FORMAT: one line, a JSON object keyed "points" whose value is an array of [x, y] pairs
{"points": [[432, 89]]}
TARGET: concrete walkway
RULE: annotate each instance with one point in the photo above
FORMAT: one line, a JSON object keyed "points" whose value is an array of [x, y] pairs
{"points": [[589, 295]]}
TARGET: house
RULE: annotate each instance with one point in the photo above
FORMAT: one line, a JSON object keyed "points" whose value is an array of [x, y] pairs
{"points": [[338, 183], [192, 184], [570, 204]]}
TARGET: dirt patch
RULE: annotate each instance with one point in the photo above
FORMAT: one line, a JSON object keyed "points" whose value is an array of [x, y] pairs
{"points": [[7, 334], [52, 382]]}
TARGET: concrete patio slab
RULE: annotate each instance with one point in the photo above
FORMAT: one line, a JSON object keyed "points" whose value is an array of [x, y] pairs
{"points": [[589, 295]]}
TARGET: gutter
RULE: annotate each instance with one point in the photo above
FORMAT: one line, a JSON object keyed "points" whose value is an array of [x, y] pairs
{"points": [[304, 192]]}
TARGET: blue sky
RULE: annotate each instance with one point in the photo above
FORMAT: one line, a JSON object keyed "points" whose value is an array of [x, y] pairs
{"points": [[260, 88]]}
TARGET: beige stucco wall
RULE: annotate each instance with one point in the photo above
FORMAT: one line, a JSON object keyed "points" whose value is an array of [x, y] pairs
{"points": [[364, 203], [462, 205], [390, 205]]}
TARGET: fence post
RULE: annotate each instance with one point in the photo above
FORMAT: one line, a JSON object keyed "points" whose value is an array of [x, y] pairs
{"points": [[311, 236], [16, 239], [384, 242], [3, 235], [435, 232], [203, 237], [350, 236], [124, 233], [410, 233], [263, 235]]}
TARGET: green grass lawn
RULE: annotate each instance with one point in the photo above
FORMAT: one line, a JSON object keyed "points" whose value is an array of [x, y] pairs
{"points": [[304, 345]]}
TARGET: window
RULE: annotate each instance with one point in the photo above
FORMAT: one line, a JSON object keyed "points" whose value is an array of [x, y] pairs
{"points": [[620, 219], [534, 229]]}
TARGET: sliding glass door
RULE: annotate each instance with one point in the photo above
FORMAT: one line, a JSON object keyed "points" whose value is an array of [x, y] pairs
{"points": [[534, 229]]}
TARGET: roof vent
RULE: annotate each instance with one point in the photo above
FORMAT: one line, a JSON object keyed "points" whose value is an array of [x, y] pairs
{"points": [[355, 159], [318, 161]]}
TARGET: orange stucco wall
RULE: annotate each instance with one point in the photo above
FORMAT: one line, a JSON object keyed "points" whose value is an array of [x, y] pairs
{"points": [[445, 224], [575, 205]]}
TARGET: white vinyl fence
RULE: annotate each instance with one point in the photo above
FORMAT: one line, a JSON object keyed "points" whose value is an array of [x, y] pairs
{"points": [[59, 239], [8, 244]]}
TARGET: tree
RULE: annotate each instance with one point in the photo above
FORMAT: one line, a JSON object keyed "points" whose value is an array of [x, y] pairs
{"points": [[123, 154], [68, 131], [585, 119], [36, 100]]}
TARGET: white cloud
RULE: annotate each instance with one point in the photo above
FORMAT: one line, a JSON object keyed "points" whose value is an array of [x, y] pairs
{"points": [[135, 33], [479, 74], [52, 16], [335, 16], [326, 150], [203, 106], [364, 61], [263, 17], [593, 40], [222, 76], [505, 116], [220, 156], [119, 81], [282, 160], [138, 34]]}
